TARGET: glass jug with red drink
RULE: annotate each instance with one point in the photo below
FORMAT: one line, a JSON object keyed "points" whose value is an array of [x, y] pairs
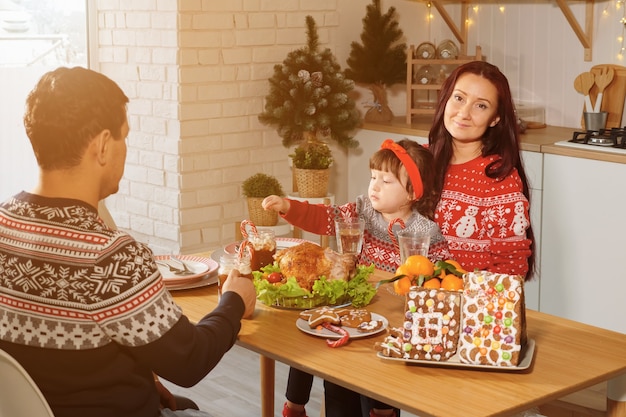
{"points": [[261, 243]]}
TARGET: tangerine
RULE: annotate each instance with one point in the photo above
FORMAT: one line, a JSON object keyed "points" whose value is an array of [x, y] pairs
{"points": [[446, 267], [457, 265], [452, 283], [432, 283], [403, 270], [419, 265], [403, 285]]}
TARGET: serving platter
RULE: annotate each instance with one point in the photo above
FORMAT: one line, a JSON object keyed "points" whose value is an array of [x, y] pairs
{"points": [[204, 281], [455, 361], [281, 243], [303, 325]]}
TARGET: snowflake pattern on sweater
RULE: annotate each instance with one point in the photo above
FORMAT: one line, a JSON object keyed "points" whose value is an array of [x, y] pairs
{"points": [[485, 220], [69, 282], [84, 309]]}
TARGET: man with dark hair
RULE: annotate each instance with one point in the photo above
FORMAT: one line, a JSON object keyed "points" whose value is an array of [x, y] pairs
{"points": [[83, 307]]}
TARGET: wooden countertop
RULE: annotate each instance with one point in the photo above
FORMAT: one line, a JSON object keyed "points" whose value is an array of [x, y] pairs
{"points": [[533, 140]]}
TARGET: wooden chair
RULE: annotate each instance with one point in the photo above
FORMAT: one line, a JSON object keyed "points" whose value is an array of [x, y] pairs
{"points": [[591, 402], [20, 396], [105, 215]]}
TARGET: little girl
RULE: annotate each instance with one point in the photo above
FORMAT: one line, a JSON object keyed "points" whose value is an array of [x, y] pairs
{"points": [[401, 192]]}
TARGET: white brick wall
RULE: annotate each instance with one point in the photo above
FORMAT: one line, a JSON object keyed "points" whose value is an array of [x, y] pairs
{"points": [[196, 72]]}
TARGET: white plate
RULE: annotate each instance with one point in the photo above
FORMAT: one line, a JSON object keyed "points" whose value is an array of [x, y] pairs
{"points": [[215, 255], [354, 333], [455, 362], [199, 265], [203, 282]]}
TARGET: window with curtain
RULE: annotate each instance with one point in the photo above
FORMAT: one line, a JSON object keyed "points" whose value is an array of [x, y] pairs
{"points": [[36, 36]]}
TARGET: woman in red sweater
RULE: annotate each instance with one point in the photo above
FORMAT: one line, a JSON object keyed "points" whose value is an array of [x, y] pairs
{"points": [[483, 210]]}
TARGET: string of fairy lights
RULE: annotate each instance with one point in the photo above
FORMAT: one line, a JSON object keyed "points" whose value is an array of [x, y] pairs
{"points": [[618, 5]]}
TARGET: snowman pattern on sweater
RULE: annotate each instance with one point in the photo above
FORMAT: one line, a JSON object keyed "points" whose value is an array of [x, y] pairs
{"points": [[485, 220], [466, 225], [520, 222]]}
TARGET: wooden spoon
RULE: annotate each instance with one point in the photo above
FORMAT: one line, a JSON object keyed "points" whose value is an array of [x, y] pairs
{"points": [[583, 83], [602, 81]]}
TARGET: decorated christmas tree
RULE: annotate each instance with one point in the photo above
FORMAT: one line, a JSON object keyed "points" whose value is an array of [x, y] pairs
{"points": [[380, 61], [309, 98]]}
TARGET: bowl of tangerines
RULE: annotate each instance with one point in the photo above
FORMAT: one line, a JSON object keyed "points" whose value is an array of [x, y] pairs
{"points": [[419, 271]]}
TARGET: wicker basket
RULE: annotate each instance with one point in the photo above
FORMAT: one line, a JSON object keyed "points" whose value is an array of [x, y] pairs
{"points": [[312, 183], [258, 215]]}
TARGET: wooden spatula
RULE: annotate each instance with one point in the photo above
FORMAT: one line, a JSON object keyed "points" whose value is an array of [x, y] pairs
{"points": [[602, 81], [583, 83]]}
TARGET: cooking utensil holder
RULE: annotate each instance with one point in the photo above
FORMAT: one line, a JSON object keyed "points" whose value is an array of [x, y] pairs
{"points": [[595, 121]]}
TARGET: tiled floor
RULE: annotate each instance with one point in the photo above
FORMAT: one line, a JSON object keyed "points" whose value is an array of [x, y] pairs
{"points": [[232, 389]]}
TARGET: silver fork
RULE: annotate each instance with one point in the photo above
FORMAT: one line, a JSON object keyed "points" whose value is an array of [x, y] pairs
{"points": [[185, 267], [173, 269]]}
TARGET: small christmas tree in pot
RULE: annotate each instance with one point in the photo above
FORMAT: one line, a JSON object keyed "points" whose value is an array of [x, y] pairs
{"points": [[309, 103], [380, 61]]}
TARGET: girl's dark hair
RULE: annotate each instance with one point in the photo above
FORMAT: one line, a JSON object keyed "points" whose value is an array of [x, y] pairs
{"points": [[386, 160], [67, 108], [501, 139]]}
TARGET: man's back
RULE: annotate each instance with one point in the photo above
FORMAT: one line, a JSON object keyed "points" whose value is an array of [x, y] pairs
{"points": [[68, 287], [83, 308]]}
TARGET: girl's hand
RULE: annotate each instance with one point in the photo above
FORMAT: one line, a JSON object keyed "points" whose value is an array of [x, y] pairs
{"points": [[275, 203]]}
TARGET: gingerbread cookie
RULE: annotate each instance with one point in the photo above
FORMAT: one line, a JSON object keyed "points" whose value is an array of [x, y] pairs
{"points": [[354, 317], [320, 315], [369, 326], [391, 347]]}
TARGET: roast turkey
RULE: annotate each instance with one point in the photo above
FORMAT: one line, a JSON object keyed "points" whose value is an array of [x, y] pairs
{"points": [[308, 261]]}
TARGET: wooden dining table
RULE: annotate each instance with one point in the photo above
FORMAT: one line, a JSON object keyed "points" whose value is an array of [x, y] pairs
{"points": [[568, 357]]}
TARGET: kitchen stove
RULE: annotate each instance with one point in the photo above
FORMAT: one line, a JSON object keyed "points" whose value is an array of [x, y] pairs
{"points": [[605, 140]]}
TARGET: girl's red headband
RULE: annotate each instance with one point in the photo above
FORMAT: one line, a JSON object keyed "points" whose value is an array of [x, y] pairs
{"points": [[409, 165]]}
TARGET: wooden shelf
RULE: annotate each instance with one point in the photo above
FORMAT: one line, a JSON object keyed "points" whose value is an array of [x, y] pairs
{"points": [[414, 107], [584, 35]]}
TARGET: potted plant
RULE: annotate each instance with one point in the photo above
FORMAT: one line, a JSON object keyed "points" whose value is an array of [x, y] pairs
{"points": [[309, 101], [380, 61], [311, 162], [255, 189]]}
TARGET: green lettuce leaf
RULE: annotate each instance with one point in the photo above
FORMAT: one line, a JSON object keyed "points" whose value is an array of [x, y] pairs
{"points": [[358, 290]]}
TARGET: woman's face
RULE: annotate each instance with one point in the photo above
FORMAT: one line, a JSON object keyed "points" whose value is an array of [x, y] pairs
{"points": [[471, 108]]}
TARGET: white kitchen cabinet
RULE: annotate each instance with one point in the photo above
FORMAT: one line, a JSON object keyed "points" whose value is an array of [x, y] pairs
{"points": [[533, 165], [584, 241]]}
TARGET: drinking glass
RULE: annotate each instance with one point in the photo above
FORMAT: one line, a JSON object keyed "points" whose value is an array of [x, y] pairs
{"points": [[263, 248], [349, 233], [228, 262], [412, 242]]}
